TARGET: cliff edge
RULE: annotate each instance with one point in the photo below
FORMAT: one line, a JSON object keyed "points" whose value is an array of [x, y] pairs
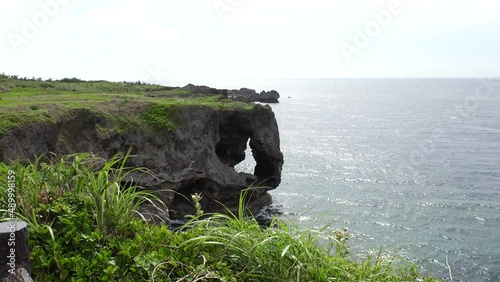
{"points": [[190, 145]]}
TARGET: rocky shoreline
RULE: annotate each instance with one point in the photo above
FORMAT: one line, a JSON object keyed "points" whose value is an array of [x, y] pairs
{"points": [[194, 152], [246, 95]]}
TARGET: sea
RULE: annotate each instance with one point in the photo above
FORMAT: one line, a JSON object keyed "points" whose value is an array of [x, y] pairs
{"points": [[410, 166]]}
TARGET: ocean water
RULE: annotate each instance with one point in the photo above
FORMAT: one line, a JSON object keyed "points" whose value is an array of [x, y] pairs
{"points": [[411, 166]]}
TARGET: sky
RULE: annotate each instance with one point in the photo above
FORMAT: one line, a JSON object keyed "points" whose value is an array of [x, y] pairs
{"points": [[162, 40]]}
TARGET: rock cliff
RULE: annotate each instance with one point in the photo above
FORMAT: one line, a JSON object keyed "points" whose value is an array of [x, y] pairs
{"points": [[197, 155], [250, 95], [243, 94]]}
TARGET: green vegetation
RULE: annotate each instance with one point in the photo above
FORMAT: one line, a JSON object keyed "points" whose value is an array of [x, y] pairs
{"points": [[160, 116], [84, 226], [128, 104]]}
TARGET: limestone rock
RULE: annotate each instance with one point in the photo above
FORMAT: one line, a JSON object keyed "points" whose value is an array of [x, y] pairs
{"points": [[198, 156], [250, 95]]}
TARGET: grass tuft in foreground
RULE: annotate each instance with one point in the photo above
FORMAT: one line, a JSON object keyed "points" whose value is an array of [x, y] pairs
{"points": [[84, 226]]}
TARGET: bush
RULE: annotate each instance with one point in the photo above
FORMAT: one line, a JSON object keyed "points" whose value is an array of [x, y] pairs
{"points": [[84, 226], [69, 80]]}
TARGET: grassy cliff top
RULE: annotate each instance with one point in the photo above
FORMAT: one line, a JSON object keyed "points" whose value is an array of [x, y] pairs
{"points": [[28, 100]]}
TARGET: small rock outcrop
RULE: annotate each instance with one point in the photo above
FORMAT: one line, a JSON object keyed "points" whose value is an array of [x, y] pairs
{"points": [[250, 95], [198, 156], [243, 94]]}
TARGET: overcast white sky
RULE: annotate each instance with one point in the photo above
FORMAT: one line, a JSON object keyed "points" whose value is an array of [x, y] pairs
{"points": [[247, 39]]}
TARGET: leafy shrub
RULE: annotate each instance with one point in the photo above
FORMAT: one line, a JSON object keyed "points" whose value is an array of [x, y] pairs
{"points": [[69, 80], [84, 226], [159, 117]]}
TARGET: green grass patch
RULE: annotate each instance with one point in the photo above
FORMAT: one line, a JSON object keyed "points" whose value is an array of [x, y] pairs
{"points": [[159, 116], [24, 91], [179, 91], [129, 105], [9, 121], [84, 225]]}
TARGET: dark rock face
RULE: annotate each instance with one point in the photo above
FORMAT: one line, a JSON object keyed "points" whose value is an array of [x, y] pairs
{"points": [[269, 96], [28, 141], [243, 95], [250, 95], [197, 157]]}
